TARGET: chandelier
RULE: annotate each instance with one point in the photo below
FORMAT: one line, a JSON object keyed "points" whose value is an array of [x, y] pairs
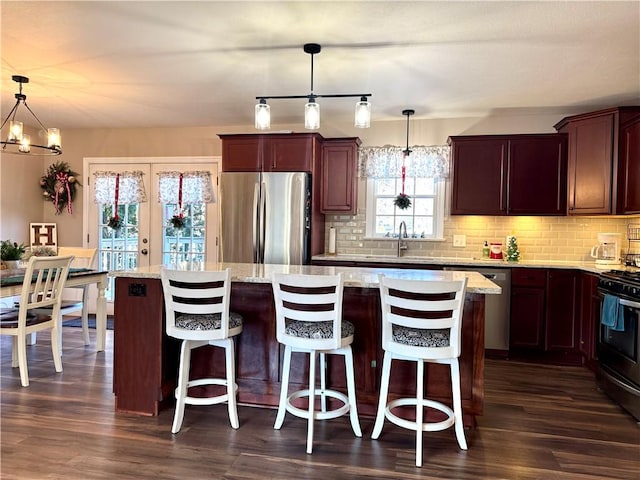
{"points": [[18, 142], [312, 108]]}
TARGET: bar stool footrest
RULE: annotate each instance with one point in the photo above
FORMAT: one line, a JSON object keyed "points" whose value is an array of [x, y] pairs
{"points": [[412, 425], [214, 400], [318, 414]]}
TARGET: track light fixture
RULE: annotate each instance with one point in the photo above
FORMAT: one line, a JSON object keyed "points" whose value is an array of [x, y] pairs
{"points": [[16, 141], [312, 108]]}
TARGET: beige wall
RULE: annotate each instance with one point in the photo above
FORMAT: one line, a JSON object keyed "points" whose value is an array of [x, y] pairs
{"points": [[21, 198]]}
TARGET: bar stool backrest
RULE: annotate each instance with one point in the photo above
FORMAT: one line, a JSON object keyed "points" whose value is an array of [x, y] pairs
{"points": [[426, 315], [308, 298], [196, 293]]}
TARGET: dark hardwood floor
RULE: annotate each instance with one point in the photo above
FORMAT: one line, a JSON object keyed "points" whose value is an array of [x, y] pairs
{"points": [[540, 422]]}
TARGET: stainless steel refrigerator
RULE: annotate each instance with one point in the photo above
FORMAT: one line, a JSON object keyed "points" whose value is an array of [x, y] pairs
{"points": [[266, 217]]}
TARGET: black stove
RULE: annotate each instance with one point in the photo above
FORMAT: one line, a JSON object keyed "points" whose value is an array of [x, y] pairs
{"points": [[622, 283]]}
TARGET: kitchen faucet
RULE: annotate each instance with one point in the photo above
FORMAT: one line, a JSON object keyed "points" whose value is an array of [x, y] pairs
{"points": [[402, 244]]}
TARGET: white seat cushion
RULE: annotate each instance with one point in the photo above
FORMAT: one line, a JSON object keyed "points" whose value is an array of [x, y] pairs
{"points": [[418, 337], [207, 322], [317, 330]]}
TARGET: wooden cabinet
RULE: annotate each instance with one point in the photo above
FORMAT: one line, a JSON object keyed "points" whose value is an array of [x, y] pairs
{"points": [[526, 329], [601, 163], [589, 319], [629, 177], [544, 315], [561, 319], [295, 152], [509, 174], [339, 175]]}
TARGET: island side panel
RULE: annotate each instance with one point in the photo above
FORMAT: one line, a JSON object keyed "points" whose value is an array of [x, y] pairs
{"points": [[145, 359]]}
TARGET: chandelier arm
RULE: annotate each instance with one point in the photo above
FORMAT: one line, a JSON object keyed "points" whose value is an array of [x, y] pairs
{"points": [[35, 116], [12, 114]]}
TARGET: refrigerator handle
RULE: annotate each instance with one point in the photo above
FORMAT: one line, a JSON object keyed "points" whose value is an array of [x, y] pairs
{"points": [[256, 220], [262, 230]]}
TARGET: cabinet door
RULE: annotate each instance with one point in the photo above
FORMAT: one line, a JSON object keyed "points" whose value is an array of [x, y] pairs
{"points": [[561, 316], [629, 169], [590, 165], [526, 324], [288, 153], [538, 175], [589, 318], [339, 182], [479, 176], [242, 154]]}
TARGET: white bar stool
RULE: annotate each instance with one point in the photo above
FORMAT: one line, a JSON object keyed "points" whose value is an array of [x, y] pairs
{"points": [[197, 312], [421, 322], [309, 320]]}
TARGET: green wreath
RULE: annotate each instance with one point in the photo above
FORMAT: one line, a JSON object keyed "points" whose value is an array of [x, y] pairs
{"points": [[59, 186], [402, 201]]}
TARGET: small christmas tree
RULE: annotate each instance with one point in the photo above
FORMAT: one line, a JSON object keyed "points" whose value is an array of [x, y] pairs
{"points": [[513, 254]]}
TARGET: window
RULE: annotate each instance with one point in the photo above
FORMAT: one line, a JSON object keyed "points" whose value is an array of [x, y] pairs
{"points": [[424, 218], [424, 172]]}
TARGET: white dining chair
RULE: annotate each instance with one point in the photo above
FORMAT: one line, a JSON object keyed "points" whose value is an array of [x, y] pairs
{"points": [[43, 283]]}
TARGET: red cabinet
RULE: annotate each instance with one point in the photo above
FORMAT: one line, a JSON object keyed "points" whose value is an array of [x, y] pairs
{"points": [[544, 315], [339, 175], [509, 174], [589, 319], [295, 152], [526, 329], [603, 172], [629, 177]]}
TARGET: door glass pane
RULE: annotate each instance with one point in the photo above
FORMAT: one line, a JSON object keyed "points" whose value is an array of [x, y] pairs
{"points": [[118, 249], [184, 245]]}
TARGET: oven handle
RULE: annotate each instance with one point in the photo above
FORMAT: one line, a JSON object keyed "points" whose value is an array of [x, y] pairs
{"points": [[629, 303]]}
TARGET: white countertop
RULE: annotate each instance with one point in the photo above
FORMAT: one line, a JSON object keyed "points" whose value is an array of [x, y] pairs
{"points": [[472, 262], [353, 276]]}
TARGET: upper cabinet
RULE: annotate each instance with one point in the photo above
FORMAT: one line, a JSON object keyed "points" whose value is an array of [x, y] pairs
{"points": [[295, 152], [603, 161], [509, 174], [339, 175]]}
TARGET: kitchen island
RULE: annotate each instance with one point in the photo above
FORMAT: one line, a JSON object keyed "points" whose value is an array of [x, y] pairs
{"points": [[146, 359]]}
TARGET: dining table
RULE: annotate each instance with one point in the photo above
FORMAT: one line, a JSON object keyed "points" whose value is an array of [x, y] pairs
{"points": [[12, 281]]}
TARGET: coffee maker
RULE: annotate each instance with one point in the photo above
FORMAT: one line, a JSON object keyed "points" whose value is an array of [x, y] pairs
{"points": [[607, 252]]}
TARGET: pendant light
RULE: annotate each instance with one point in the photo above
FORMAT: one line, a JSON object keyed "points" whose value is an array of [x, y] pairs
{"points": [[18, 142], [312, 108]]}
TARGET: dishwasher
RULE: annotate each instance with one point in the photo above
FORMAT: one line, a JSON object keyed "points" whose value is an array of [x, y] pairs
{"points": [[496, 308]]}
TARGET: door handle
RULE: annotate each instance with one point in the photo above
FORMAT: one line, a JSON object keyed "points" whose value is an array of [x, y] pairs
{"points": [[144, 251]]}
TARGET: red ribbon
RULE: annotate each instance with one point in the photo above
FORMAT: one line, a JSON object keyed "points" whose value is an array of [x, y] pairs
{"points": [[63, 179], [117, 194], [404, 172], [180, 196]]}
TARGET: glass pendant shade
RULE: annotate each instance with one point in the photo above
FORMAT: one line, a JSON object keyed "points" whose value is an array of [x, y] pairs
{"points": [[312, 115], [25, 144], [363, 114], [54, 140], [15, 131], [263, 116]]}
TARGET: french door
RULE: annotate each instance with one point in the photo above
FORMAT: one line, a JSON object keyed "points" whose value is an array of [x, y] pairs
{"points": [[147, 236]]}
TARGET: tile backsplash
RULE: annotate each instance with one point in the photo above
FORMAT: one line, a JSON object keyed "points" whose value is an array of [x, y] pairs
{"points": [[539, 238]]}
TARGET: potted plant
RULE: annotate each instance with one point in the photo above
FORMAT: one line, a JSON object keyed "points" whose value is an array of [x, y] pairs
{"points": [[11, 253]]}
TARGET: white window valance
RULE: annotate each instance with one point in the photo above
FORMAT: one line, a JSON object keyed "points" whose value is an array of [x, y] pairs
{"points": [[129, 184], [386, 162], [197, 187]]}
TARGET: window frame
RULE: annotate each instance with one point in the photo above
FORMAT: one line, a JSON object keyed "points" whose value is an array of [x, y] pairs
{"points": [[438, 212]]}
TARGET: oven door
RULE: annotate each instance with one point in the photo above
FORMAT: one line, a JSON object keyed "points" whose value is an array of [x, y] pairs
{"points": [[618, 350]]}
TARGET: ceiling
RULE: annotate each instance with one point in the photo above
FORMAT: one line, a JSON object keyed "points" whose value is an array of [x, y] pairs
{"points": [[179, 63]]}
